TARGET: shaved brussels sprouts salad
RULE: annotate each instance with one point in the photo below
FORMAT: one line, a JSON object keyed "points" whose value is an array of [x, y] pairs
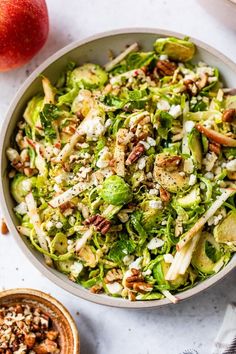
{"points": [[124, 175]]}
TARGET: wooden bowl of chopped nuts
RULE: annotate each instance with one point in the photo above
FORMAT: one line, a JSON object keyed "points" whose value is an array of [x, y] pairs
{"points": [[36, 323]]}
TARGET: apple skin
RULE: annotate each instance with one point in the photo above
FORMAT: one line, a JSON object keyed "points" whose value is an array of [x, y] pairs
{"points": [[24, 27]]}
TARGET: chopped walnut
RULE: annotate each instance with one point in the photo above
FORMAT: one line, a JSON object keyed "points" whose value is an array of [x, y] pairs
{"points": [[135, 154], [101, 224]]}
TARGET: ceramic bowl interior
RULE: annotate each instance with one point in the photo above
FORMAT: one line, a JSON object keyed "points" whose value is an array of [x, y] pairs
{"points": [[95, 49], [61, 319]]}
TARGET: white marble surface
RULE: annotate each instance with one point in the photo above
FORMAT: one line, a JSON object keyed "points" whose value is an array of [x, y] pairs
{"points": [[170, 330]]}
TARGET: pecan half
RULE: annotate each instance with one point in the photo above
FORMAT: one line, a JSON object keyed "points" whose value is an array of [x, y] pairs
{"points": [[113, 275], [101, 224], [166, 68], [164, 195], [169, 162], [137, 283], [228, 115], [214, 147], [135, 154]]}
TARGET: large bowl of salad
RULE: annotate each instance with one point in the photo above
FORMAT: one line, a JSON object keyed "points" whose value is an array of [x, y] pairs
{"points": [[118, 168]]}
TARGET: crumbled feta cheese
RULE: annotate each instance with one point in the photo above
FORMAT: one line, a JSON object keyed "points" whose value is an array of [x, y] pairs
{"points": [[108, 123], [188, 165], [151, 141], [21, 208], [49, 225], [76, 269], [92, 125], [212, 79], [147, 272], [164, 222], [163, 57], [154, 191], [106, 172], [189, 125], [231, 165], [56, 188], [163, 105], [205, 70], [209, 175], [155, 243], [192, 179], [114, 288], [149, 175], [61, 177], [83, 171], [175, 111], [214, 220], [168, 258], [209, 161], [182, 173], [142, 162], [26, 184], [155, 204], [136, 264], [128, 259], [59, 225], [145, 144]]}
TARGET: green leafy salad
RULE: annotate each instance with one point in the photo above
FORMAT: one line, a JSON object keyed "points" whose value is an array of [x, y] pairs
{"points": [[124, 176]]}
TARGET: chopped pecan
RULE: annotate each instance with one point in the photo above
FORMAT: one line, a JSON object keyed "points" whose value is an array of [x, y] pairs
{"points": [[142, 287], [169, 162], [52, 335], [231, 175], [4, 228], [136, 139], [164, 195], [135, 154], [166, 68], [214, 147], [191, 87], [229, 115], [101, 223], [113, 275], [30, 339], [66, 206], [131, 296], [96, 289]]}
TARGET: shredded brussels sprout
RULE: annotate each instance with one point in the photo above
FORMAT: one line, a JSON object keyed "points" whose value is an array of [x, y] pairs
{"points": [[124, 175]]}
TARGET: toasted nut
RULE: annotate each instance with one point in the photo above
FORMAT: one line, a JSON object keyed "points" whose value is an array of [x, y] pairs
{"points": [[191, 87], [164, 195], [166, 68], [4, 228], [135, 154], [215, 136], [142, 287], [52, 335], [30, 340], [96, 289], [101, 223], [131, 296], [228, 115], [231, 175], [214, 147], [202, 82], [113, 275], [169, 162]]}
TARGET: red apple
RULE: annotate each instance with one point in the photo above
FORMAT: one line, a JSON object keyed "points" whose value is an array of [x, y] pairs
{"points": [[23, 31]]}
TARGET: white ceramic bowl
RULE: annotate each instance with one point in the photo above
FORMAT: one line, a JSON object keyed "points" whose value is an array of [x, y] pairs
{"points": [[95, 49]]}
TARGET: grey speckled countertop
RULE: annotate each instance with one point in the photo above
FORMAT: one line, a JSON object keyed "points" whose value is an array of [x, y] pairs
{"points": [[190, 326]]}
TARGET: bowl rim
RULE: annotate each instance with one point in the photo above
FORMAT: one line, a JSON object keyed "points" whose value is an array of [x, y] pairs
{"points": [[69, 286], [28, 292]]}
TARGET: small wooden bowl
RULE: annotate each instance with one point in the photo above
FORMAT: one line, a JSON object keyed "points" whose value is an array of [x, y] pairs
{"points": [[61, 318]]}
